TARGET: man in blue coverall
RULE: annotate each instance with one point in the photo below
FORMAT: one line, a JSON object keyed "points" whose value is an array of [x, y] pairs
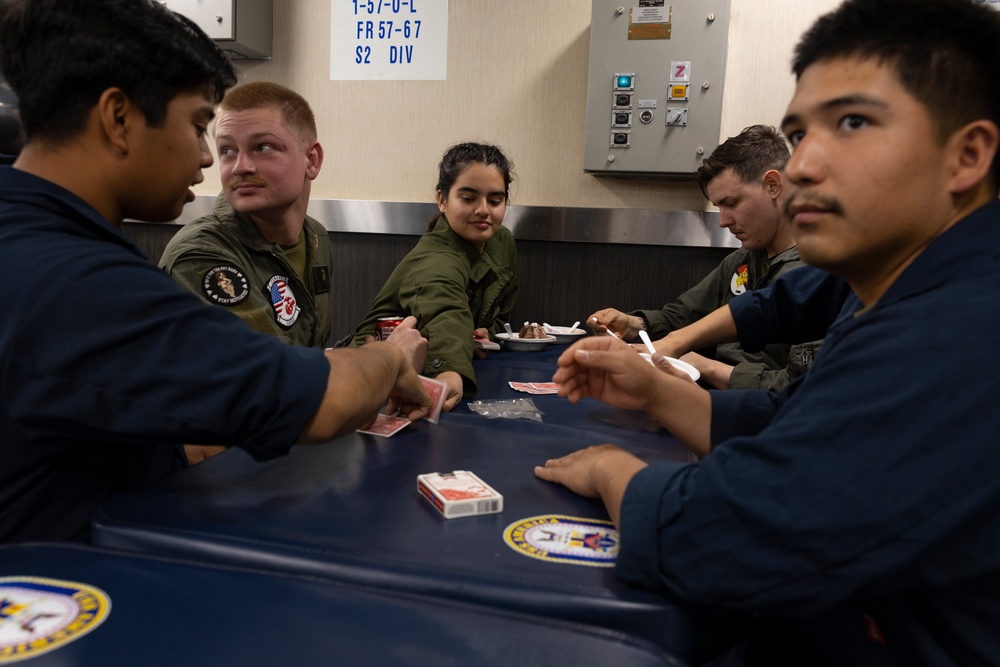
{"points": [[854, 515], [106, 366]]}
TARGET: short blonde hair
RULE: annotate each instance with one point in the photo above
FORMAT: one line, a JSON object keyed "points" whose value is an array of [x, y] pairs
{"points": [[294, 109]]}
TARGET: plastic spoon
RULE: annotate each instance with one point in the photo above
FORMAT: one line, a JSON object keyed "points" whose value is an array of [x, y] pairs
{"points": [[507, 328], [648, 343]]}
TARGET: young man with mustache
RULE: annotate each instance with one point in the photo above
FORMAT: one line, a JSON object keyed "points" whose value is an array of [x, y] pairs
{"points": [[854, 515], [259, 236]]}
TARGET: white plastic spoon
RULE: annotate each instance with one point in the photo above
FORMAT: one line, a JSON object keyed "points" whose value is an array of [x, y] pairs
{"points": [[648, 343]]}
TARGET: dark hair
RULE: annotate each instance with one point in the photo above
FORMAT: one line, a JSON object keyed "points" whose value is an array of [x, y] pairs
{"points": [[10, 133], [751, 153], [460, 156], [295, 111], [60, 55], [946, 53]]}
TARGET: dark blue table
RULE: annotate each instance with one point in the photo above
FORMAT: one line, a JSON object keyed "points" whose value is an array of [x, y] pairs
{"points": [[103, 608], [349, 511]]}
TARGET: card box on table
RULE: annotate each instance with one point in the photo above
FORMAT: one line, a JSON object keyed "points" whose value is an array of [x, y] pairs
{"points": [[459, 493]]}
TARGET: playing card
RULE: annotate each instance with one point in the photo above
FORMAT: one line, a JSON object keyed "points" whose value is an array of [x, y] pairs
{"points": [[485, 344], [535, 387], [386, 426], [546, 386], [437, 390]]}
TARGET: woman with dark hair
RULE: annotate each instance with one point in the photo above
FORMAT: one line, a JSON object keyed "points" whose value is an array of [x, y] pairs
{"points": [[460, 281]]}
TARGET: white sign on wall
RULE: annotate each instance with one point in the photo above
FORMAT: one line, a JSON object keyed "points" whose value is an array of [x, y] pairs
{"points": [[388, 40]]}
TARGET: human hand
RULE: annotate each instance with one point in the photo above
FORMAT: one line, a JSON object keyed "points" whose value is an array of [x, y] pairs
{"points": [[662, 363], [603, 471], [455, 388], [408, 397], [407, 338], [713, 372], [671, 346], [608, 370], [198, 453], [482, 334], [624, 326]]}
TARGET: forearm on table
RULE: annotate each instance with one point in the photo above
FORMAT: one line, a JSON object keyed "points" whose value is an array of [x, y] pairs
{"points": [[613, 478]]}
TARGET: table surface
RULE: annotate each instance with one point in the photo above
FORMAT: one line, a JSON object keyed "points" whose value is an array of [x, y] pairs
{"points": [[162, 611], [349, 511]]}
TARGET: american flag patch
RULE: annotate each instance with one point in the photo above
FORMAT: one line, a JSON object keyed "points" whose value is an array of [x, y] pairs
{"points": [[286, 308]]}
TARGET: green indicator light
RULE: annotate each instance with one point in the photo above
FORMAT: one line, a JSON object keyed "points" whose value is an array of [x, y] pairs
{"points": [[624, 81]]}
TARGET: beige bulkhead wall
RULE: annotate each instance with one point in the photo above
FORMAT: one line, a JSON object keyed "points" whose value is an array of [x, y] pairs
{"points": [[517, 77]]}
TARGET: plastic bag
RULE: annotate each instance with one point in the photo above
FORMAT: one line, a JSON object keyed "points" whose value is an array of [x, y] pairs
{"points": [[508, 408]]}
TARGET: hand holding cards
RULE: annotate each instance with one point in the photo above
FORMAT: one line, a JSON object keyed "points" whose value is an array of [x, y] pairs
{"points": [[485, 344], [389, 425], [438, 390]]}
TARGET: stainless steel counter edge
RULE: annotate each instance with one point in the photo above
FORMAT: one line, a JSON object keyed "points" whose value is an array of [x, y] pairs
{"points": [[533, 223]]}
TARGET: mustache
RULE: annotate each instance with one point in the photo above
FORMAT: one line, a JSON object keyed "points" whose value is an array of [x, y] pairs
{"points": [[236, 182], [822, 202]]}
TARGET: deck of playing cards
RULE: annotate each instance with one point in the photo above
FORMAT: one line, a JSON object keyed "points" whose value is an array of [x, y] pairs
{"points": [[459, 493], [438, 390], [535, 387], [389, 425], [386, 425], [485, 344]]}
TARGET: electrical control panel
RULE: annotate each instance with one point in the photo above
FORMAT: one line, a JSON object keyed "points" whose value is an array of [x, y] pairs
{"points": [[241, 28], [654, 86]]}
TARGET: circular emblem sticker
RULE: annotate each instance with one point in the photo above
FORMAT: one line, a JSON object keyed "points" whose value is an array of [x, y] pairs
{"points": [[738, 284], [286, 308], [225, 285], [39, 615], [565, 539]]}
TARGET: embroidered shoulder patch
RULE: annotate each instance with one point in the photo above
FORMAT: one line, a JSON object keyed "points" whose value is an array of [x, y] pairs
{"points": [[286, 308], [39, 615], [738, 284], [565, 539], [225, 285]]}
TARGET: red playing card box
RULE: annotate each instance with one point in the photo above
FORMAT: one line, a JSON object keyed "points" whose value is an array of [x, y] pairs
{"points": [[459, 493]]}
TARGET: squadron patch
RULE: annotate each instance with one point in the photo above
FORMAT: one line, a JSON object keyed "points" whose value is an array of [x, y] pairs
{"points": [[39, 615], [565, 539], [286, 308], [225, 285], [738, 284]]}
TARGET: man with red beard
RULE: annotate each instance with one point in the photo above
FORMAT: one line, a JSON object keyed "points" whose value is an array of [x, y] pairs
{"points": [[259, 239]]}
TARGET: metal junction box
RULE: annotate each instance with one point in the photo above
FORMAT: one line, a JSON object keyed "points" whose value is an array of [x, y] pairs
{"points": [[241, 28], [654, 88]]}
